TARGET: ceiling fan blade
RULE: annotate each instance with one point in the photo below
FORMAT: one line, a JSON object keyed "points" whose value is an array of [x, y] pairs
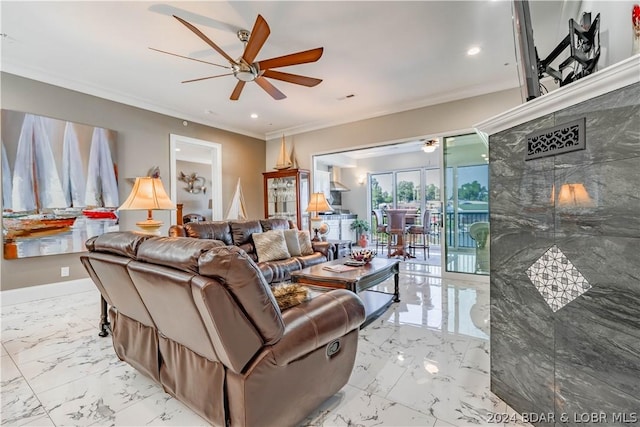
{"points": [[292, 59], [206, 78], [206, 39], [187, 57], [269, 88], [257, 38], [292, 78], [237, 90]]}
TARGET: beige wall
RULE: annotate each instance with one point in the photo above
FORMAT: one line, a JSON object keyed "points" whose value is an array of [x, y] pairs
{"points": [[194, 203], [436, 120], [143, 142]]}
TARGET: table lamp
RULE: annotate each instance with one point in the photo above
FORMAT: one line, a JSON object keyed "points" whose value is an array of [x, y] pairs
{"points": [[317, 204], [148, 194]]}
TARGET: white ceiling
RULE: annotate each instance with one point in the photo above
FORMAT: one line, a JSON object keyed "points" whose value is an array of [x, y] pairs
{"points": [[392, 56]]}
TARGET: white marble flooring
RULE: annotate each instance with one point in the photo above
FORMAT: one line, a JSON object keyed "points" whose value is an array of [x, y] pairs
{"points": [[425, 362]]}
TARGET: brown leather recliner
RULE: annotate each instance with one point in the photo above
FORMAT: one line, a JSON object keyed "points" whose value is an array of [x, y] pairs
{"points": [[239, 233], [198, 317]]}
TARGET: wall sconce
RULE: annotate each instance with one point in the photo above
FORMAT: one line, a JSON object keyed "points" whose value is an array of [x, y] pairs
{"points": [[362, 179], [195, 183], [430, 145]]}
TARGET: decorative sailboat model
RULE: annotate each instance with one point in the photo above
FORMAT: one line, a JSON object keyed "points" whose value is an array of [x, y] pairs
{"points": [[284, 160], [237, 209]]}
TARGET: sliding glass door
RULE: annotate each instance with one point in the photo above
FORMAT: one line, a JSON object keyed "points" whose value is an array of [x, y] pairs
{"points": [[414, 189], [466, 220]]}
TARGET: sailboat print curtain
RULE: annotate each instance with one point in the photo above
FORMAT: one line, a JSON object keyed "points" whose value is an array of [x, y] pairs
{"points": [[56, 168]]}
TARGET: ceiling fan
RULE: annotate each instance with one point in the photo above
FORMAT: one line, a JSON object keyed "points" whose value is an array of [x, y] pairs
{"points": [[246, 70]]}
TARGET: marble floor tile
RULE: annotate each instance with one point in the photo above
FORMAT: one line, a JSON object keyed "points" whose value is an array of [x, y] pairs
{"points": [[58, 369], [20, 406], [53, 341], [377, 369], [424, 362], [367, 409], [97, 398], [159, 409]]}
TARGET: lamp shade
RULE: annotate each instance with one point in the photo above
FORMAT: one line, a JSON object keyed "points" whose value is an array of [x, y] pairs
{"points": [[147, 194], [318, 203]]}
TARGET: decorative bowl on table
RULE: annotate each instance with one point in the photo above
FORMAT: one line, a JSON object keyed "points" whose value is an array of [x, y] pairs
{"points": [[364, 256]]}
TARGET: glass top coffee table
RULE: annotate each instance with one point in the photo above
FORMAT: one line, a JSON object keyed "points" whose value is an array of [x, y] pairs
{"points": [[359, 280]]}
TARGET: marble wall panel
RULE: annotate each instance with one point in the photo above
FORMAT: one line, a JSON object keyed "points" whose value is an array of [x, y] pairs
{"points": [[586, 341], [522, 352], [507, 150], [585, 357], [612, 204], [611, 265], [579, 395], [612, 127]]}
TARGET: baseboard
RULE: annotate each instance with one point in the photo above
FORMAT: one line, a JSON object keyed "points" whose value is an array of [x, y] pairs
{"points": [[34, 293]]}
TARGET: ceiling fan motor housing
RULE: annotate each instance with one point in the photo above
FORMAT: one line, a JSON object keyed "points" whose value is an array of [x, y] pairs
{"points": [[245, 72]]}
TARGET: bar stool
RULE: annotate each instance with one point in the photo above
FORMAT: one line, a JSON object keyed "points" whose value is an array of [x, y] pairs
{"points": [[420, 230], [397, 229], [379, 229]]}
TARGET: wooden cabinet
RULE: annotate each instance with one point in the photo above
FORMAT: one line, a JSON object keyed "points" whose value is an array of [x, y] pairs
{"points": [[286, 195]]}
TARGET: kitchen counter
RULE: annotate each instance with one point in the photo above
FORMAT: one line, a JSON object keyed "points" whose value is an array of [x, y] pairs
{"points": [[340, 226], [338, 216]]}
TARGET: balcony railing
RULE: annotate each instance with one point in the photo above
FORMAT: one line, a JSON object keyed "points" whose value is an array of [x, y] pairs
{"points": [[465, 219]]}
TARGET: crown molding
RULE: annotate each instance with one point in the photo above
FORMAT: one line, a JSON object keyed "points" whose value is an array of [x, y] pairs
{"points": [[619, 75], [110, 95], [434, 100]]}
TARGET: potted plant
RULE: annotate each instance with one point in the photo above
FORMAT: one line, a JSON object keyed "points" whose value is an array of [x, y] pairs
{"points": [[361, 227]]}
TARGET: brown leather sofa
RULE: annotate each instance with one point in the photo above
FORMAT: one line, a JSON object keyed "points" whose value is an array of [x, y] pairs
{"points": [[199, 318], [239, 233]]}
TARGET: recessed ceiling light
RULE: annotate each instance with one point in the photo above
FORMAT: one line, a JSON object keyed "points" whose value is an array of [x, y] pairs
{"points": [[177, 149], [473, 51], [254, 116]]}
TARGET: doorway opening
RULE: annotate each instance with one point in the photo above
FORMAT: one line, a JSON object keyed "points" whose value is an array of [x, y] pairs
{"points": [[200, 159]]}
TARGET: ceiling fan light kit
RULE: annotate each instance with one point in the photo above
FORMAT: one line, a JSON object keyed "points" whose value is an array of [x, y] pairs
{"points": [[430, 146], [246, 70]]}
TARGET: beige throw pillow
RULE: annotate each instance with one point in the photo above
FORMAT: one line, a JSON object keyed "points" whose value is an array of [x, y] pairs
{"points": [[293, 244], [305, 243], [270, 245]]}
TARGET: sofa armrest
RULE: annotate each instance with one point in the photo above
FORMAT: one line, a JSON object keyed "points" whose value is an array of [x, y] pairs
{"points": [[325, 248], [177, 231], [317, 322]]}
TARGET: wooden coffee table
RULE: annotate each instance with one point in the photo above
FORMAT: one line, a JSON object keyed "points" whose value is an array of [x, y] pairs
{"points": [[359, 280]]}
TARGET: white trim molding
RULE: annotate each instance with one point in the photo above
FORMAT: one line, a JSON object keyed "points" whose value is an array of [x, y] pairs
{"points": [[616, 76]]}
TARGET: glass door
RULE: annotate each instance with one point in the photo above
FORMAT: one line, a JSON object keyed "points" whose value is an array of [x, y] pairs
{"points": [[414, 190], [466, 215]]}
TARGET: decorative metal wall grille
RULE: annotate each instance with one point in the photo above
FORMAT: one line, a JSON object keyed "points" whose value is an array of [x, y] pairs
{"points": [[560, 139]]}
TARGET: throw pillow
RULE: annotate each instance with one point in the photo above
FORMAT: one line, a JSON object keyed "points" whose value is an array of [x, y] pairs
{"points": [[293, 244], [305, 243], [290, 295], [270, 245]]}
